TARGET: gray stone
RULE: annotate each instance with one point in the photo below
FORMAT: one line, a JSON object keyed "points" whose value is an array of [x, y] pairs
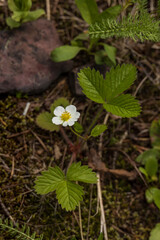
{"points": [[25, 63]]}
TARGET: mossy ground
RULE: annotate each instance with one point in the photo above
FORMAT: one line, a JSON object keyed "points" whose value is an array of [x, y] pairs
{"points": [[26, 150]]}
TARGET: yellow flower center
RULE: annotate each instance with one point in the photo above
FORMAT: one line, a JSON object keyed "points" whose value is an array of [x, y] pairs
{"points": [[65, 116]]}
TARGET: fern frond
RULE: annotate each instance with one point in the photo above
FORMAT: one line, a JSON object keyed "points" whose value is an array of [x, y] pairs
{"points": [[17, 232], [139, 27]]}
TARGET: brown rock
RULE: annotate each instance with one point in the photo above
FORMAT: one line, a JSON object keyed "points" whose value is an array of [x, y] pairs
{"points": [[25, 63]]}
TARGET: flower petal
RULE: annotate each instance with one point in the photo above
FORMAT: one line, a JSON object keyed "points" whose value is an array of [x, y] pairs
{"points": [[71, 122], [71, 109], [57, 120], [65, 124], [58, 111], [76, 115]]}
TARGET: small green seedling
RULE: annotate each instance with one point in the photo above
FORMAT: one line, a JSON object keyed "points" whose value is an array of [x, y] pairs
{"points": [[149, 160], [140, 26], [103, 53], [21, 13]]}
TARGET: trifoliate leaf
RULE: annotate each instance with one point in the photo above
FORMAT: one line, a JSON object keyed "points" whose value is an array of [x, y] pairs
{"points": [[92, 83], [124, 106], [151, 153], [98, 129], [88, 10], [49, 180], [151, 166], [78, 127], [156, 197], [69, 194], [65, 53], [155, 233], [59, 102], [155, 134], [76, 172], [149, 194], [44, 121], [119, 79]]}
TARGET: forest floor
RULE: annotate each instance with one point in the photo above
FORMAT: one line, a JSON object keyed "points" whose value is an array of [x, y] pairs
{"points": [[26, 150]]}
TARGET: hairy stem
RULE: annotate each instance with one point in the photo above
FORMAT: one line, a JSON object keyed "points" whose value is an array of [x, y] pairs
{"points": [[77, 134], [80, 222]]}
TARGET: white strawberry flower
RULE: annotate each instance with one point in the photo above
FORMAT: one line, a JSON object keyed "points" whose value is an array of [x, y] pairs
{"points": [[65, 116]]}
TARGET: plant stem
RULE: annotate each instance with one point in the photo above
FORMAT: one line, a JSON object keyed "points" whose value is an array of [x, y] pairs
{"points": [[77, 134], [68, 141], [80, 222], [95, 119], [103, 220]]}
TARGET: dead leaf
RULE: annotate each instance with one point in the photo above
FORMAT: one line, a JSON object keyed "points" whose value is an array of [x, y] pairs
{"points": [[57, 152]]}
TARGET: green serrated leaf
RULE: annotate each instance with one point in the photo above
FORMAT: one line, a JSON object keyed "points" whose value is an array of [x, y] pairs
{"points": [[69, 194], [155, 134], [151, 166], [76, 172], [156, 197], [78, 127], [92, 83], [98, 129], [142, 158], [119, 79], [65, 53], [88, 10], [155, 233], [44, 121], [49, 180], [149, 194], [59, 102], [123, 106]]}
